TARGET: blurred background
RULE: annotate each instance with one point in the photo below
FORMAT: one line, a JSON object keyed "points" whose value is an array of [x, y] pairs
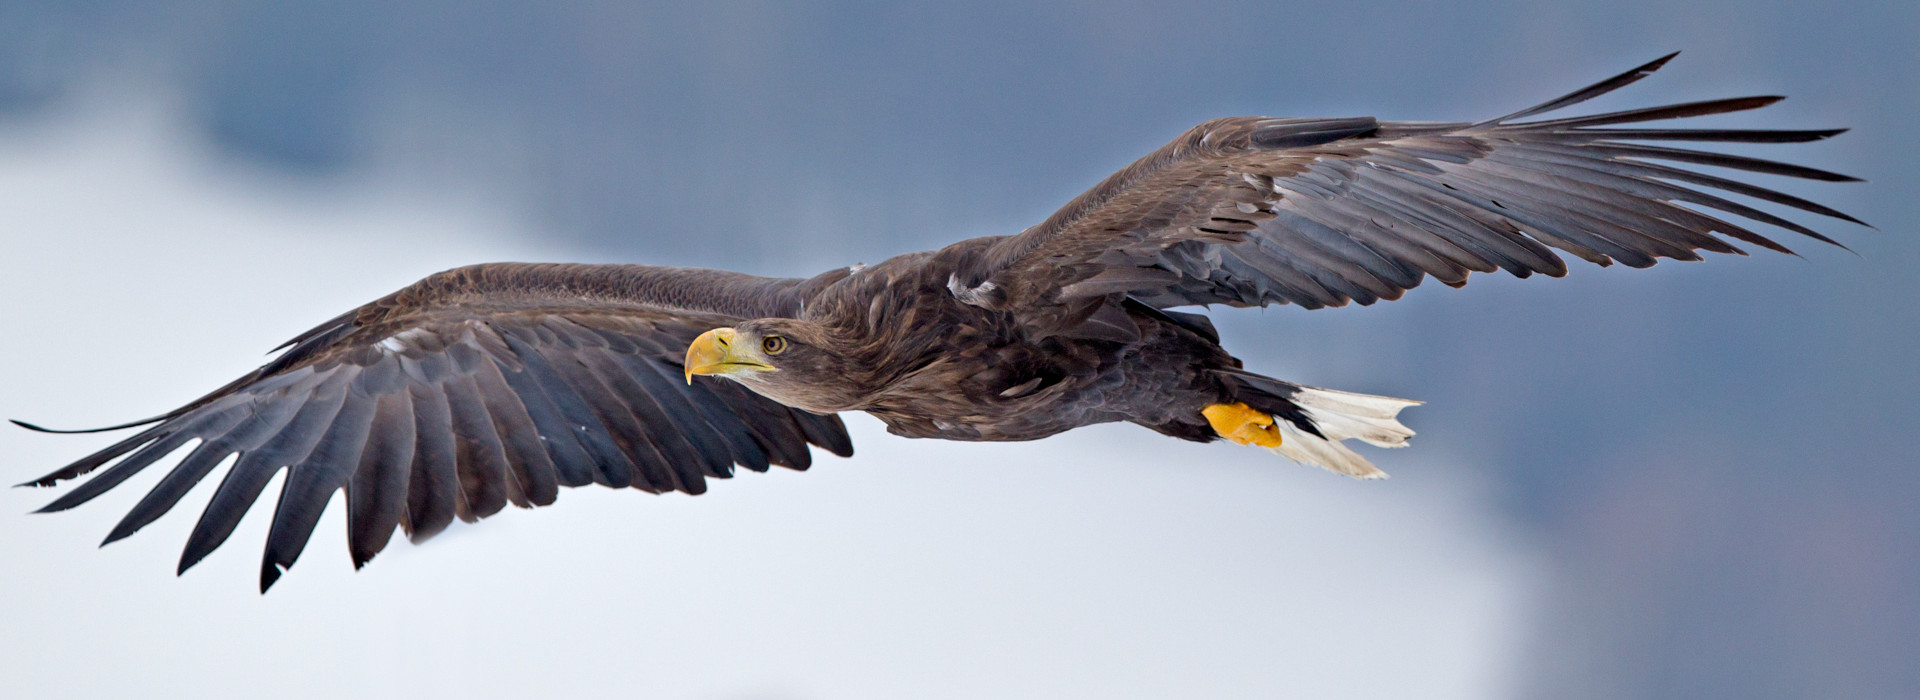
{"points": [[1690, 481]]}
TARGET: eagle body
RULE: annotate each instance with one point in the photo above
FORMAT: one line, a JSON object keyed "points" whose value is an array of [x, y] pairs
{"points": [[931, 365], [498, 384]]}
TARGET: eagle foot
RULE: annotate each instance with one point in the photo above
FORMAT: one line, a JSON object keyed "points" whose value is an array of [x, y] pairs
{"points": [[1242, 424]]}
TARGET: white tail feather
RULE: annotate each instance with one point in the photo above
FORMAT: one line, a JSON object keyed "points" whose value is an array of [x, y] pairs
{"points": [[1342, 415]]}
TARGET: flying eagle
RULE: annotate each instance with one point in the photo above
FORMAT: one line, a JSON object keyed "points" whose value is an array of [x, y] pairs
{"points": [[494, 384]]}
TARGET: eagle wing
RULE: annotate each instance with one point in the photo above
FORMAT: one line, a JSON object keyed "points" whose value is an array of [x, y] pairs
{"points": [[1251, 211], [469, 390]]}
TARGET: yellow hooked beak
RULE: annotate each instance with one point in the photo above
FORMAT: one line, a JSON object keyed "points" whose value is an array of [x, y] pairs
{"points": [[714, 353]]}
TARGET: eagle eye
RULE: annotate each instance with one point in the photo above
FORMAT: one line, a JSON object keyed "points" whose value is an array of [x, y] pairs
{"points": [[774, 344]]}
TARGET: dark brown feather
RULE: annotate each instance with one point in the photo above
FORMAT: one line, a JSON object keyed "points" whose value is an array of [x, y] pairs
{"points": [[469, 390], [377, 489], [1373, 205]]}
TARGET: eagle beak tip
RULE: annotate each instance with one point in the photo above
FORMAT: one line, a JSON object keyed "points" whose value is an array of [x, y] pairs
{"points": [[709, 353]]}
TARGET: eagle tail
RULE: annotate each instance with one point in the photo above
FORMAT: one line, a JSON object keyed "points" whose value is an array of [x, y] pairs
{"points": [[1341, 416], [1314, 423]]}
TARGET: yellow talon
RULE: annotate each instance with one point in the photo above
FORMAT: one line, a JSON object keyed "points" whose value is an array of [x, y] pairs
{"points": [[1241, 424]]}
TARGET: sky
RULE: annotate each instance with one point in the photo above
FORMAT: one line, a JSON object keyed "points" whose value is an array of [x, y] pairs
{"points": [[1692, 480]]}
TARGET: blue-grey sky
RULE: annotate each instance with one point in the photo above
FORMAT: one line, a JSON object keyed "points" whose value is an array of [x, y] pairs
{"points": [[1698, 476]]}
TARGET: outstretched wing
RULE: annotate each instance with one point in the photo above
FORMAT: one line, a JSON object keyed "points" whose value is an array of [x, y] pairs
{"points": [[1250, 211], [469, 390]]}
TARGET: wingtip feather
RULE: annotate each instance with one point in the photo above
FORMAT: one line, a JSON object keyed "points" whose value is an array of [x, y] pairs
{"points": [[122, 426], [119, 532], [1656, 64], [1586, 93]]}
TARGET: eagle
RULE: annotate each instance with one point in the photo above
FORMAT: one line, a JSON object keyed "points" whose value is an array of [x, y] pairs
{"points": [[497, 384]]}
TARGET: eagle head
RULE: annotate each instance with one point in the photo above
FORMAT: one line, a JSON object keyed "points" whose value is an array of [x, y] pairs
{"points": [[797, 363]]}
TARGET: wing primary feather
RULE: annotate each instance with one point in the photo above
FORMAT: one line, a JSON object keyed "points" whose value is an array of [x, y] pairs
{"points": [[785, 444], [1611, 207], [714, 452], [1347, 218], [93, 461], [664, 430], [1419, 249], [377, 491], [83, 431], [1557, 214], [1623, 196], [310, 484], [532, 469], [480, 461], [1642, 181], [611, 466], [1737, 187], [656, 431], [1277, 267], [162, 497], [742, 441], [1484, 248], [433, 489], [1577, 243], [1719, 160], [238, 490], [1483, 253], [249, 475], [825, 430], [651, 472], [1550, 210], [1523, 254], [1586, 93], [140, 459], [1640, 184], [1331, 269], [1647, 114], [1704, 135], [254, 426], [1363, 264], [572, 465]]}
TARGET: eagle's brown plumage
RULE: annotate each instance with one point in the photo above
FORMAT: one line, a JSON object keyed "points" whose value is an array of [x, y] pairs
{"points": [[495, 384]]}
